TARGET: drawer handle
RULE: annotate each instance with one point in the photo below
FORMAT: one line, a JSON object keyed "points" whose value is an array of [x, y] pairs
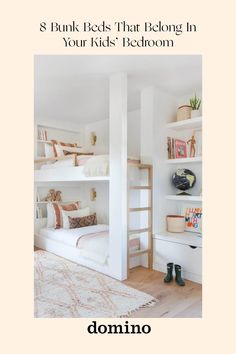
{"points": [[193, 246]]}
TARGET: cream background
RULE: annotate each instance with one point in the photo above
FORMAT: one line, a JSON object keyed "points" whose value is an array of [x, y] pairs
{"points": [[21, 39]]}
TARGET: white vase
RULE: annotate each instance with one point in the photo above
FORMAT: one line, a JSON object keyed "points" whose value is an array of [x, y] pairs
{"points": [[195, 113]]}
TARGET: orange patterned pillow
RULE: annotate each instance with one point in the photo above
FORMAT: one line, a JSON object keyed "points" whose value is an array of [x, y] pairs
{"points": [[83, 221]]}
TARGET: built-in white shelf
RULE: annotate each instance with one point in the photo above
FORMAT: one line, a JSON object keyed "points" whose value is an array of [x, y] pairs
{"points": [[187, 198], [44, 141], [187, 238], [192, 123], [185, 160], [62, 201]]}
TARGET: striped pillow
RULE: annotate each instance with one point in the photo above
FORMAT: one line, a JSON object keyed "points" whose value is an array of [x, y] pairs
{"points": [[58, 221]]}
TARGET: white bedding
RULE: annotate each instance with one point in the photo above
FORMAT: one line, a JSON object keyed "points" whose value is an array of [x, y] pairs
{"points": [[68, 162], [96, 165], [97, 250], [71, 236], [94, 246]]}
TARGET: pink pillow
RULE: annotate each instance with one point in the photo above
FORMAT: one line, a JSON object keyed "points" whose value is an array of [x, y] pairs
{"points": [[82, 160]]}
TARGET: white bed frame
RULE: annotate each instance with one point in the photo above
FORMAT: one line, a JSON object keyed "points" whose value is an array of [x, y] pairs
{"points": [[66, 174], [68, 252]]}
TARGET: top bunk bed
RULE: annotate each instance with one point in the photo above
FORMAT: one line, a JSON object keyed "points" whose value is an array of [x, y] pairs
{"points": [[72, 168], [71, 164]]}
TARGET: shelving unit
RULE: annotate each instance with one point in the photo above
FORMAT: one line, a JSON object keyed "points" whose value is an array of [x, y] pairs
{"points": [[44, 141], [60, 134], [187, 238], [185, 160], [193, 123], [183, 198], [62, 201], [183, 248]]}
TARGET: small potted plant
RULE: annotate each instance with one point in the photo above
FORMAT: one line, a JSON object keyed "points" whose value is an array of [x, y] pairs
{"points": [[195, 104]]}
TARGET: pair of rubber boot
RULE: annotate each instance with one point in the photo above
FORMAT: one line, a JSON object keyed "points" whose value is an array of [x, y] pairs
{"points": [[178, 277]]}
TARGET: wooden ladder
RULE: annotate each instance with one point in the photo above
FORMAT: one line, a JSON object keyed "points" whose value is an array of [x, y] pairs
{"points": [[148, 229]]}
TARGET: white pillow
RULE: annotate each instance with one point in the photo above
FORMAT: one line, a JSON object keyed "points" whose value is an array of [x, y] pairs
{"points": [[59, 150], [50, 215], [73, 214], [49, 152]]}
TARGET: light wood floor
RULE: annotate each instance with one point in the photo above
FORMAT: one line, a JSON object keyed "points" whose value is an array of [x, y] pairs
{"points": [[174, 300]]}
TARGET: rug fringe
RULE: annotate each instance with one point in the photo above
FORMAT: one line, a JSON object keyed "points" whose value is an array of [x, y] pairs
{"points": [[148, 304]]}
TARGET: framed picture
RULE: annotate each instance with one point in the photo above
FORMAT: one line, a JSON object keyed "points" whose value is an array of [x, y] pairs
{"points": [[180, 149], [193, 218]]}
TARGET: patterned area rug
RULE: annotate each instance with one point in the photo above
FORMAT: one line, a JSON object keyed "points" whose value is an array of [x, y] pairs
{"points": [[66, 289]]}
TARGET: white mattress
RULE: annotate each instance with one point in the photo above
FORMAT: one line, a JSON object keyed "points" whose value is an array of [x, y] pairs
{"points": [[68, 162], [95, 248], [97, 251], [70, 236]]}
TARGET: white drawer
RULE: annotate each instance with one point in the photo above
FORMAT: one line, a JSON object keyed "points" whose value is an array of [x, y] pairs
{"points": [[188, 257]]}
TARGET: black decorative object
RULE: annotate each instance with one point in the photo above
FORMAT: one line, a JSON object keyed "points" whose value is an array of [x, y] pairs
{"points": [[183, 179]]}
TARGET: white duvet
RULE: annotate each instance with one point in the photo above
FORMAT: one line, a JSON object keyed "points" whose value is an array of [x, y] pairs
{"points": [[96, 249], [97, 166]]}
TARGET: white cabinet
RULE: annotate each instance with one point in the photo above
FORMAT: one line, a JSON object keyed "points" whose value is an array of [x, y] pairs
{"points": [[187, 255]]}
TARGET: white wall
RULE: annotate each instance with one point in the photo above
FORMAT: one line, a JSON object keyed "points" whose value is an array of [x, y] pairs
{"points": [[134, 133], [101, 129]]}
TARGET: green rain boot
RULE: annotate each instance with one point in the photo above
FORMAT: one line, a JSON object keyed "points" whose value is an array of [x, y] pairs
{"points": [[169, 276], [178, 277]]}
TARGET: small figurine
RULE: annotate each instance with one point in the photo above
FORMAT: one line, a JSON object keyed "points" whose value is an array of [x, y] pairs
{"points": [[51, 195], [58, 196], [192, 142]]}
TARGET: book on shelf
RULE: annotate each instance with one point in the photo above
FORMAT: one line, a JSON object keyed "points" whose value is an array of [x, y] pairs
{"points": [[42, 134]]}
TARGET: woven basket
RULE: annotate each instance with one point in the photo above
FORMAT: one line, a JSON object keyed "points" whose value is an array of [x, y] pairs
{"points": [[184, 112], [175, 223]]}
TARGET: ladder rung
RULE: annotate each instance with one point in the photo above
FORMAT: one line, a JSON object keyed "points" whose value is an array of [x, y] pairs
{"points": [[139, 231], [140, 209], [139, 165], [144, 166], [140, 187], [138, 253]]}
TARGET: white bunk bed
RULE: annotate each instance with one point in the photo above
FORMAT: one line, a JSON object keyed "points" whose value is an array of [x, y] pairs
{"points": [[119, 227]]}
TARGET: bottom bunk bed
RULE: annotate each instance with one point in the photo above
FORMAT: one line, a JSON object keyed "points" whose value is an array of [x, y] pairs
{"points": [[88, 246]]}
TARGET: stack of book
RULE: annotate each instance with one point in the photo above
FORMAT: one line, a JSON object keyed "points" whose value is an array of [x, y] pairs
{"points": [[176, 148], [42, 134]]}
